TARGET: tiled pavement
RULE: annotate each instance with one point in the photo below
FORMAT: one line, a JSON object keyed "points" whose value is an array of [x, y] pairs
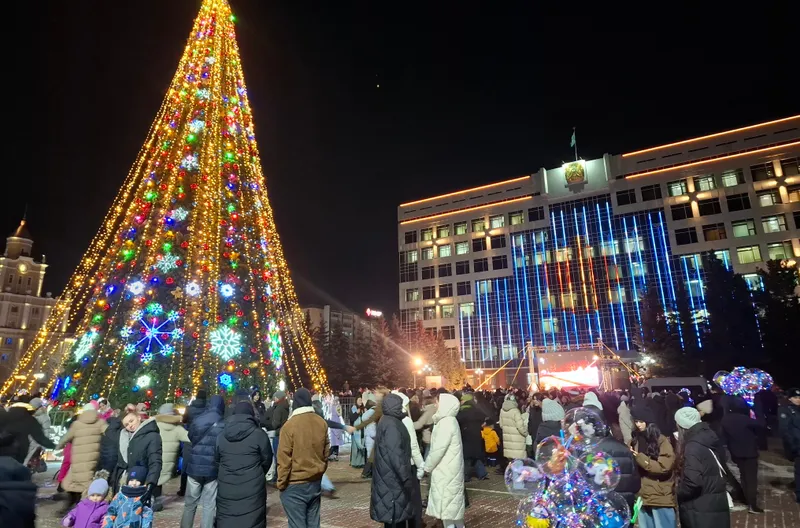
{"points": [[490, 505]]}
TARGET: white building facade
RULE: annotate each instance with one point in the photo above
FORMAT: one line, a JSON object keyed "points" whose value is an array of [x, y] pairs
{"points": [[558, 259]]}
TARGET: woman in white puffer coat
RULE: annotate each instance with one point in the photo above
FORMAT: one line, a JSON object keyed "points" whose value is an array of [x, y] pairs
{"points": [[445, 463], [514, 429]]}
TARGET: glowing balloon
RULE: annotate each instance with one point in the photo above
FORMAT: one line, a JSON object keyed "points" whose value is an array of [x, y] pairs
{"points": [[532, 512], [743, 382], [554, 459], [584, 427], [568, 502], [610, 510], [600, 470], [523, 477]]}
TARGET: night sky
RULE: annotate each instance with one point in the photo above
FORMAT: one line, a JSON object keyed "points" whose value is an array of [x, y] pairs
{"points": [[470, 93]]}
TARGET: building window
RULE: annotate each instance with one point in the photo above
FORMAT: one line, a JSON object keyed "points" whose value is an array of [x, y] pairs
{"points": [[462, 268], [738, 202], [651, 192], [15, 309], [626, 197], [685, 236], [478, 225], [429, 312], [743, 228], [462, 248], [498, 241], [535, 213], [412, 294], [724, 255], [427, 253], [616, 295], [709, 207], [632, 245], [427, 234], [790, 167], [447, 311], [464, 288], [638, 269], [563, 254], [480, 265], [753, 281], [445, 270], [443, 231], [484, 287], [411, 237], [428, 292], [499, 262], [445, 290], [748, 254], [411, 256], [681, 211], [794, 193], [460, 228], [733, 177], [497, 221], [516, 218], [449, 332], [677, 188], [780, 250], [704, 183], [427, 272], [445, 251], [773, 224], [478, 244], [762, 171], [8, 341], [466, 309], [609, 248], [550, 325], [767, 198], [797, 219], [714, 232]]}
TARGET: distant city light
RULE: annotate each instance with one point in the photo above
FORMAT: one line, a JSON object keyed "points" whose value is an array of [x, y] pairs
{"points": [[374, 313]]}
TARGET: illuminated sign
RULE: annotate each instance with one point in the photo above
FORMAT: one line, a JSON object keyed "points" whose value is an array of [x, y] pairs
{"points": [[374, 313], [581, 377]]}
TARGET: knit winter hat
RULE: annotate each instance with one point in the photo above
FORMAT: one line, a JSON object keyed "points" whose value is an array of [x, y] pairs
{"points": [[315, 397], [552, 411], [36, 403], [687, 417], [302, 398], [705, 407], [591, 399], [167, 408], [98, 487], [244, 408], [88, 407], [137, 472], [279, 395], [643, 413]]}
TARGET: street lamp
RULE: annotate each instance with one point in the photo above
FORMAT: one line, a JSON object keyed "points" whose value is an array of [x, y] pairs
{"points": [[479, 373], [418, 361]]}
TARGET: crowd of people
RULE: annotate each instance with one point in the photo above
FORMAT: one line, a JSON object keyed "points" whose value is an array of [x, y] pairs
{"points": [[669, 448]]}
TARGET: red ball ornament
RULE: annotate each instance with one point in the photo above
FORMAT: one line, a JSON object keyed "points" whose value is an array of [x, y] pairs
{"points": [[184, 245], [246, 372], [178, 392], [195, 335], [170, 280], [239, 313], [149, 392], [231, 362]]}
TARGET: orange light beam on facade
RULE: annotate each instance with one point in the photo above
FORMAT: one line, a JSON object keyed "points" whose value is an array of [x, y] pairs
{"points": [[718, 134], [459, 211], [456, 193], [714, 160]]}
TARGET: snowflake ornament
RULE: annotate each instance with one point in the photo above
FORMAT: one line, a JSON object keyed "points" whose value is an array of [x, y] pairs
{"points": [[225, 343], [85, 345], [167, 263], [180, 214]]}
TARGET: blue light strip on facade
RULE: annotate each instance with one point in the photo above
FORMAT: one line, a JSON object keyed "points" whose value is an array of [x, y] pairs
{"points": [[669, 272], [568, 273], [581, 264], [499, 316], [488, 317], [549, 296], [633, 275], [461, 334], [538, 292], [517, 281], [691, 299], [619, 285], [658, 265], [605, 264], [480, 320], [508, 315], [592, 278], [561, 284]]}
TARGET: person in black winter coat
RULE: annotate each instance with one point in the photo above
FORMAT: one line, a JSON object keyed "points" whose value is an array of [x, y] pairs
{"points": [[202, 466], [241, 395], [741, 435], [535, 417], [630, 481], [470, 419], [109, 451], [243, 456], [195, 409], [17, 491], [144, 449], [18, 421], [259, 408], [392, 495], [701, 493]]}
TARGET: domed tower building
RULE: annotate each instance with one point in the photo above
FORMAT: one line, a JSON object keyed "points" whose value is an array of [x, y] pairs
{"points": [[23, 308]]}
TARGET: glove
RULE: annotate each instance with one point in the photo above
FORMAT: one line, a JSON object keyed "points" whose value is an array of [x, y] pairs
{"points": [[420, 473], [148, 494]]}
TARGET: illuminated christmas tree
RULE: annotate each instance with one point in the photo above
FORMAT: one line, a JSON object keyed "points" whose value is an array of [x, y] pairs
{"points": [[185, 284]]}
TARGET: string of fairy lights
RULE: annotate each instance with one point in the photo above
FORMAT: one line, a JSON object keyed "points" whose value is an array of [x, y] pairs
{"points": [[185, 284]]}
